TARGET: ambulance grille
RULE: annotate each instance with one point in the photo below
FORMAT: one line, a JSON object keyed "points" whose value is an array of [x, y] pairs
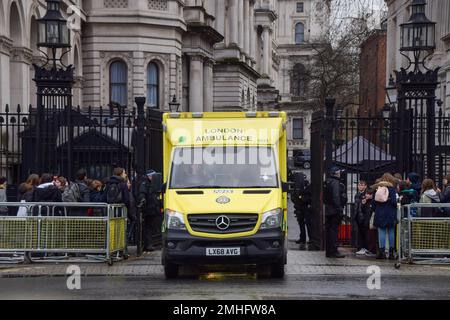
{"points": [[238, 223]]}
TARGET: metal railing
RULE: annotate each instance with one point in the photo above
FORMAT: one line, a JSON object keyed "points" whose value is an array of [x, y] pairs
{"points": [[63, 232], [424, 233]]}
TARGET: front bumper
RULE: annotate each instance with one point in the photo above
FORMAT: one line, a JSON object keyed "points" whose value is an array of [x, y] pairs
{"points": [[255, 249]]}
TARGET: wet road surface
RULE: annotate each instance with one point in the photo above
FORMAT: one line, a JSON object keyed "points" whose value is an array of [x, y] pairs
{"points": [[228, 287]]}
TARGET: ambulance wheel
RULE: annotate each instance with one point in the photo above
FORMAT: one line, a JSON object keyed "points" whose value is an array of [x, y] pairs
{"points": [[277, 270], [171, 270]]}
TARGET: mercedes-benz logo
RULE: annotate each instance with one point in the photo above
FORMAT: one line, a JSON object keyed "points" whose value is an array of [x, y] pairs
{"points": [[223, 223], [223, 200]]}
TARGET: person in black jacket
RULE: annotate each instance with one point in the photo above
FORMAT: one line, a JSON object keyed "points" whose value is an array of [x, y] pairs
{"points": [[46, 192], [302, 199], [116, 191], [445, 194], [335, 200], [363, 210], [148, 202]]}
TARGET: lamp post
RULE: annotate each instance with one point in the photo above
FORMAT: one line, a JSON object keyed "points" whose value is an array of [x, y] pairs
{"points": [[391, 92], [386, 112], [53, 32], [417, 35], [54, 88], [416, 86], [174, 105]]}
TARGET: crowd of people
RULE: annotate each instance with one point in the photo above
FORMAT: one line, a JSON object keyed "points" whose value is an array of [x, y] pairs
{"points": [[116, 189], [376, 209]]}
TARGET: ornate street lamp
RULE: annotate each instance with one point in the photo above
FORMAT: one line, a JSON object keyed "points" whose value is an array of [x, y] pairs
{"points": [[53, 32], [391, 92], [174, 105], [386, 112], [418, 34]]}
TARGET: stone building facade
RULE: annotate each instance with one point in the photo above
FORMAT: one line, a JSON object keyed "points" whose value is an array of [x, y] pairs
{"points": [[209, 54], [399, 11], [300, 29], [213, 55]]}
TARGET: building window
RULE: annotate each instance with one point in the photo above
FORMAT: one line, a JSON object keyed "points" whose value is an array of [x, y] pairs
{"points": [[300, 7], [152, 85], [297, 129], [118, 79], [299, 33], [298, 80]]}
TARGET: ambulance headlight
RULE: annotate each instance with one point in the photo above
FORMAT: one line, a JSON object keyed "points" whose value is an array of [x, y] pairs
{"points": [[174, 220], [272, 219]]}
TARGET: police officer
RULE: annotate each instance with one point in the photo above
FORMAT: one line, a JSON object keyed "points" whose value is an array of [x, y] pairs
{"points": [[302, 198], [297, 199], [148, 202], [335, 199], [310, 218]]}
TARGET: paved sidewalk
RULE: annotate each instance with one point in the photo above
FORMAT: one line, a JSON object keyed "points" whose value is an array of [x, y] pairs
{"points": [[299, 263]]}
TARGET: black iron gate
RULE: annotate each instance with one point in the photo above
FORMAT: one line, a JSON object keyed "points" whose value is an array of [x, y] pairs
{"points": [[408, 138]]}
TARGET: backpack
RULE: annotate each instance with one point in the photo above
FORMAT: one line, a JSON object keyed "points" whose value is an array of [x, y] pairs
{"points": [[72, 193], [382, 194], [113, 193]]}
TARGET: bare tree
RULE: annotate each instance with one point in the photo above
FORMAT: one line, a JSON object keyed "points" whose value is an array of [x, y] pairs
{"points": [[334, 71]]}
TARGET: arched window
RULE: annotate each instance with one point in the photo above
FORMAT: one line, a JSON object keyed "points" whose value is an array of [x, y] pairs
{"points": [[299, 33], [153, 85], [118, 78], [298, 80]]}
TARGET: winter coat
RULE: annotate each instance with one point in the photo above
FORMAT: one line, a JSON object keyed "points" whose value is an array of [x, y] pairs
{"points": [[386, 212], [123, 188], [25, 193], [408, 196], [97, 196], [363, 211], [337, 197], [85, 192], [430, 196], [47, 192], [3, 198], [445, 198], [148, 198]]}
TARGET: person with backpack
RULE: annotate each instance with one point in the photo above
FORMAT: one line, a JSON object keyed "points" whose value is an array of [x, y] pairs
{"points": [[148, 202], [385, 203], [335, 199], [77, 191], [429, 194], [116, 190]]}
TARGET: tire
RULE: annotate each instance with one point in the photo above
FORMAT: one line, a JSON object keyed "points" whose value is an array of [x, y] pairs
{"points": [[171, 270], [307, 165], [397, 265], [277, 270]]}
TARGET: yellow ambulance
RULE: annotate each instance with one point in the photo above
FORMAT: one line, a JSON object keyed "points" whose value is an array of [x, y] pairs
{"points": [[225, 190]]}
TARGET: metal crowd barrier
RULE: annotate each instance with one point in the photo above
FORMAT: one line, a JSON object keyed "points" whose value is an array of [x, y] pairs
{"points": [[424, 234], [50, 232]]}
